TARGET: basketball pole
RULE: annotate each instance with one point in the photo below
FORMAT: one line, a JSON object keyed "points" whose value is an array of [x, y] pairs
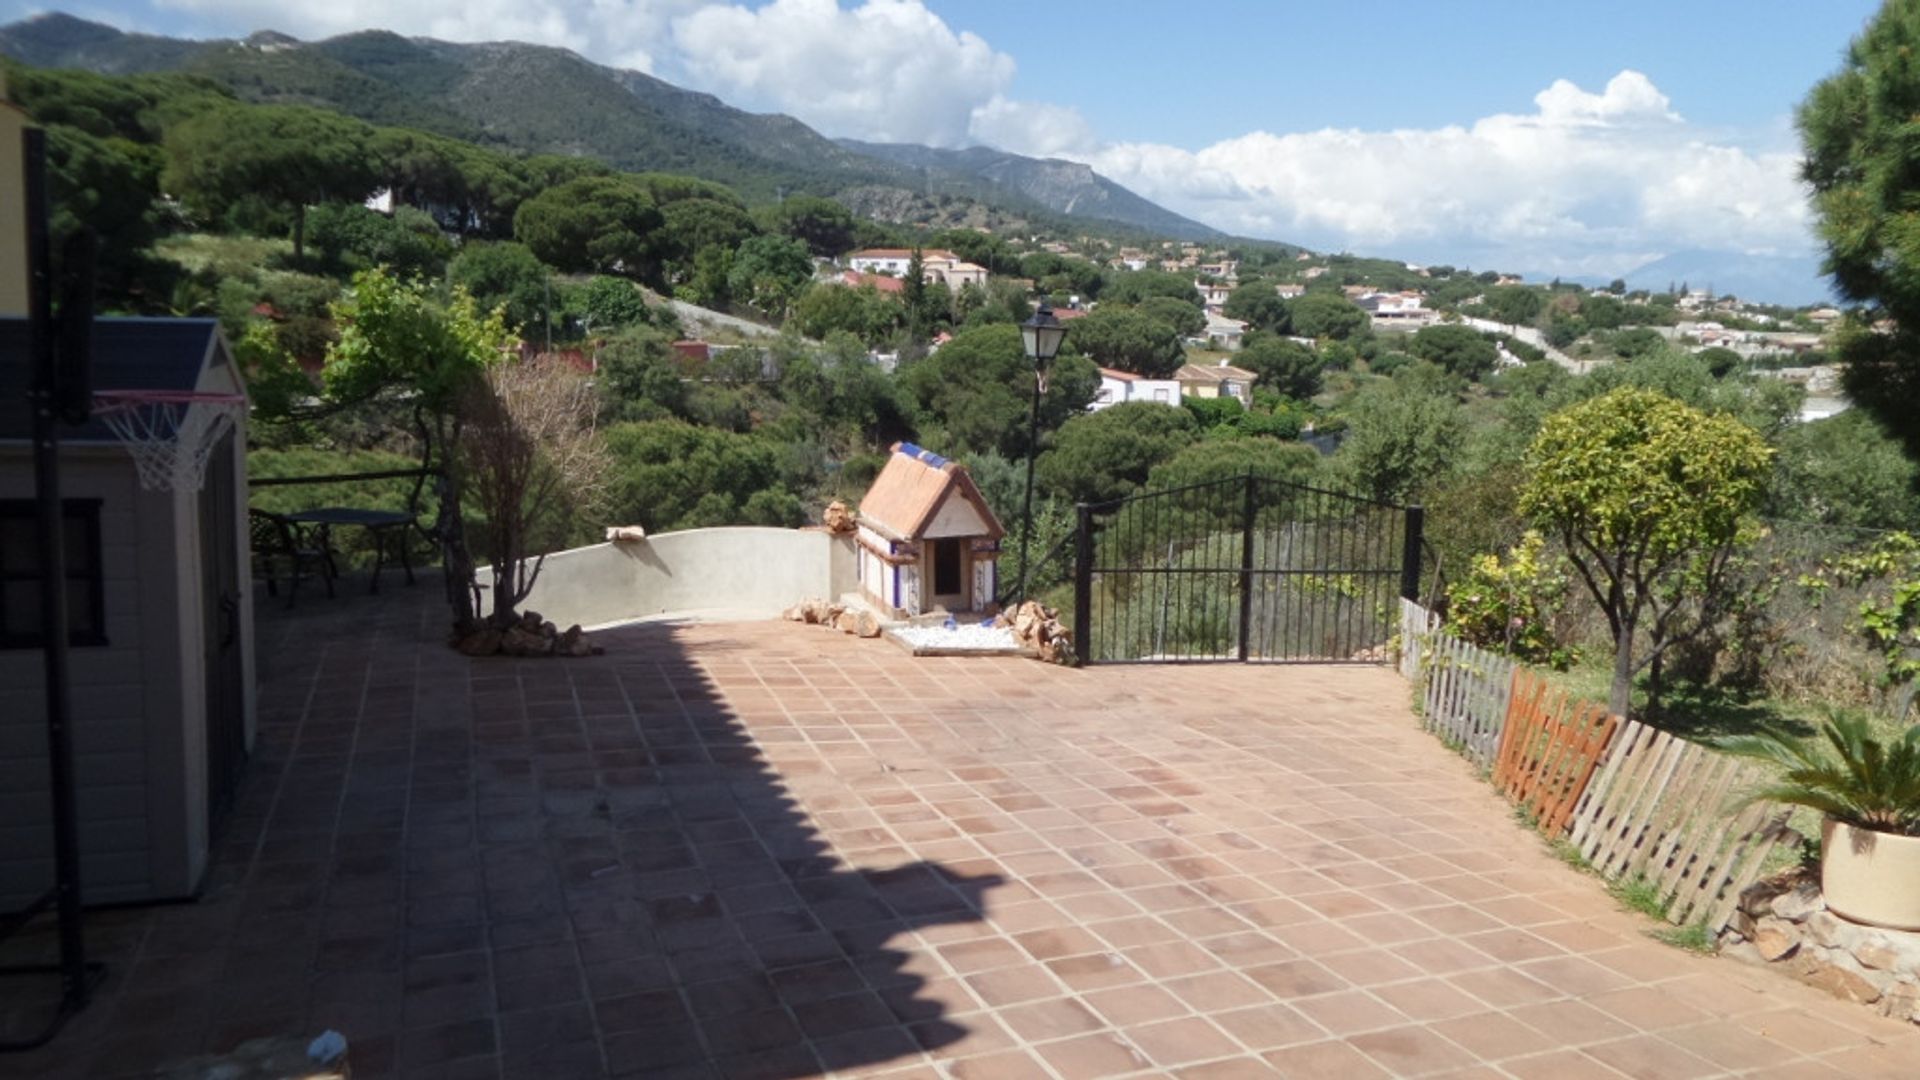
{"points": [[45, 395]]}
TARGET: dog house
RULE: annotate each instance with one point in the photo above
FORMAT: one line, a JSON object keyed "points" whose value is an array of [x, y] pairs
{"points": [[160, 631], [927, 539]]}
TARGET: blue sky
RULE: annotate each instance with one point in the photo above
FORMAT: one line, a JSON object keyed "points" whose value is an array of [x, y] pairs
{"points": [[1295, 66], [1544, 137]]}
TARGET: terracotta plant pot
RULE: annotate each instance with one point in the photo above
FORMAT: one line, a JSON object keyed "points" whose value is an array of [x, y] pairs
{"points": [[1870, 877]]}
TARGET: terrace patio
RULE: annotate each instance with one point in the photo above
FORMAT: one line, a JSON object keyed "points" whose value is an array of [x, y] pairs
{"points": [[766, 849]]}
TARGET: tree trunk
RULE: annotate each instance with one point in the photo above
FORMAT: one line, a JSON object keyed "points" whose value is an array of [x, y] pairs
{"points": [[1620, 697], [299, 232], [454, 553]]}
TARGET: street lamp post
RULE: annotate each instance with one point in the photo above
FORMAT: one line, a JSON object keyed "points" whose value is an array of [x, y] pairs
{"points": [[1042, 335]]}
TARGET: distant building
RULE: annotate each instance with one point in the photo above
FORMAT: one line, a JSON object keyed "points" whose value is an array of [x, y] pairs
{"points": [[1213, 297], [1119, 387], [1216, 381], [1289, 292], [1397, 309], [1224, 333], [936, 265]]}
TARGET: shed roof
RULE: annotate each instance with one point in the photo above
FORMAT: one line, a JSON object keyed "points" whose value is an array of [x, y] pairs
{"points": [[908, 493], [128, 354]]}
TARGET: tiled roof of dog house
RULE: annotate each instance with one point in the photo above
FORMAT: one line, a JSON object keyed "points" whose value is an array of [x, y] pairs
{"points": [[908, 493]]}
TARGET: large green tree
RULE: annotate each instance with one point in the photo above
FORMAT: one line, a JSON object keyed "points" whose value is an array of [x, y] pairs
{"points": [[1283, 365], [505, 275], [768, 273], [1108, 454], [1462, 350], [1130, 340], [1327, 315], [1401, 434], [1648, 498], [973, 394], [595, 224], [1260, 306], [1858, 129], [395, 337], [290, 156], [824, 226]]}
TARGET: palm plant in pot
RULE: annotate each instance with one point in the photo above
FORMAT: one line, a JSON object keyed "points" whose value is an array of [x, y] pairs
{"points": [[1868, 789]]}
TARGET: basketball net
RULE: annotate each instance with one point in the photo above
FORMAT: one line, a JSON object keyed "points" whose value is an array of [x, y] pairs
{"points": [[169, 433]]}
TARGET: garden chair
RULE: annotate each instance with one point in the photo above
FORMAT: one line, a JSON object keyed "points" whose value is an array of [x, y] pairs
{"points": [[276, 539]]}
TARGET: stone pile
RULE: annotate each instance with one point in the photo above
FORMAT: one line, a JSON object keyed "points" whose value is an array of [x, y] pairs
{"points": [[530, 635], [837, 519], [1038, 627], [856, 621], [1784, 923]]}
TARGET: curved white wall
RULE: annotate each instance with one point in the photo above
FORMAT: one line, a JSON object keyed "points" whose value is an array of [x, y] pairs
{"points": [[745, 572]]}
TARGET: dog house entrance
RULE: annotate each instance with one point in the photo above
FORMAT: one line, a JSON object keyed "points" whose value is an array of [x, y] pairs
{"points": [[949, 582]]}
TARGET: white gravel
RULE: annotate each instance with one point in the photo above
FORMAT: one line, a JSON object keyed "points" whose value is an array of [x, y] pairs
{"points": [[964, 636]]}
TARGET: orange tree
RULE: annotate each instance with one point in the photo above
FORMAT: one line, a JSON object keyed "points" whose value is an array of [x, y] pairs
{"points": [[1652, 501]]}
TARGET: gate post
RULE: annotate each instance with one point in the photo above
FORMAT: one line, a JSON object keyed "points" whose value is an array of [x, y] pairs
{"points": [[1246, 568], [1083, 585], [1410, 554]]}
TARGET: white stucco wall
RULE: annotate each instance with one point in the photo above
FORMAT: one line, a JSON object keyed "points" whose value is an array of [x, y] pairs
{"points": [[744, 572]]}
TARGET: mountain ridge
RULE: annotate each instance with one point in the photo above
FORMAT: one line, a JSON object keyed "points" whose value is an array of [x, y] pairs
{"points": [[634, 121]]}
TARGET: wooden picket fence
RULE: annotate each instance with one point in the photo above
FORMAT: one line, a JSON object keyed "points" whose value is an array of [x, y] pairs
{"points": [[1468, 690], [1549, 749], [1669, 812], [1638, 803]]}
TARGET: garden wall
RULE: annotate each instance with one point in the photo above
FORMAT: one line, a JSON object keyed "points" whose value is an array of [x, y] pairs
{"points": [[744, 572]]}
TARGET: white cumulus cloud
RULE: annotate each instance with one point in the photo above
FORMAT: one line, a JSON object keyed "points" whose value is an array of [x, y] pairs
{"points": [[1586, 183], [885, 70]]}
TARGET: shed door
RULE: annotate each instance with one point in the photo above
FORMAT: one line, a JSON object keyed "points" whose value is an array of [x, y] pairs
{"points": [[949, 574], [226, 731]]}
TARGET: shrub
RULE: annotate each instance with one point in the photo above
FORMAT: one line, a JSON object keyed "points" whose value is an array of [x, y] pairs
{"points": [[1508, 604]]}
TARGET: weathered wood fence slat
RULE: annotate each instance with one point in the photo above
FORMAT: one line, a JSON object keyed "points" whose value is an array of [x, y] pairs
{"points": [[1667, 812], [1638, 803], [1550, 748], [1466, 689]]}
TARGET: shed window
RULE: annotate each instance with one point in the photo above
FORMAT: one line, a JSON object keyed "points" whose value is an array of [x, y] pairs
{"points": [[20, 575]]}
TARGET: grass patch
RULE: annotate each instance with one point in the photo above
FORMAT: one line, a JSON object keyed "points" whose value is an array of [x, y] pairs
{"points": [[1641, 895], [226, 256], [1693, 937], [1570, 854]]}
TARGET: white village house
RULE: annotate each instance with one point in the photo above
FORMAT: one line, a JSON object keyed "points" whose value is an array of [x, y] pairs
{"points": [[1118, 387], [936, 265]]}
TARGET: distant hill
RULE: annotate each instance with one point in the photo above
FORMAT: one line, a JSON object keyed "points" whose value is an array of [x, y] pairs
{"points": [[1791, 281], [539, 99], [1065, 187]]}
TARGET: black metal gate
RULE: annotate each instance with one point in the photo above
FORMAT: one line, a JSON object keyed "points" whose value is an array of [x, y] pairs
{"points": [[1246, 569]]}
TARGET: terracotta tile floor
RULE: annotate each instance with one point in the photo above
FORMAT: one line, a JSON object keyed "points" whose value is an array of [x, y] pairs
{"points": [[770, 850]]}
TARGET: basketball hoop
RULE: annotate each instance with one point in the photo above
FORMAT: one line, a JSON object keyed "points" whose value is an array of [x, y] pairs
{"points": [[170, 433]]}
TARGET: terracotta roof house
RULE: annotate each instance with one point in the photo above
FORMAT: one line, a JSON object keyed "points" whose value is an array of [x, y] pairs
{"points": [[882, 282], [927, 538]]}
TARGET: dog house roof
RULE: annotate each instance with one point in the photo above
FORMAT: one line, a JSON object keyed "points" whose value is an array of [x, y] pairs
{"points": [[909, 492], [128, 354]]}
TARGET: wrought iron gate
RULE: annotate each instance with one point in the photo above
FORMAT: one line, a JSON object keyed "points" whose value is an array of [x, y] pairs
{"points": [[1246, 569]]}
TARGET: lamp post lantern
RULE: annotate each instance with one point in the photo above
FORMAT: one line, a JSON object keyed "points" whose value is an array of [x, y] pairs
{"points": [[1042, 335]]}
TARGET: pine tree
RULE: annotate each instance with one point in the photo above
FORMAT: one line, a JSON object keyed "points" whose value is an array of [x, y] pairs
{"points": [[1856, 128]]}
